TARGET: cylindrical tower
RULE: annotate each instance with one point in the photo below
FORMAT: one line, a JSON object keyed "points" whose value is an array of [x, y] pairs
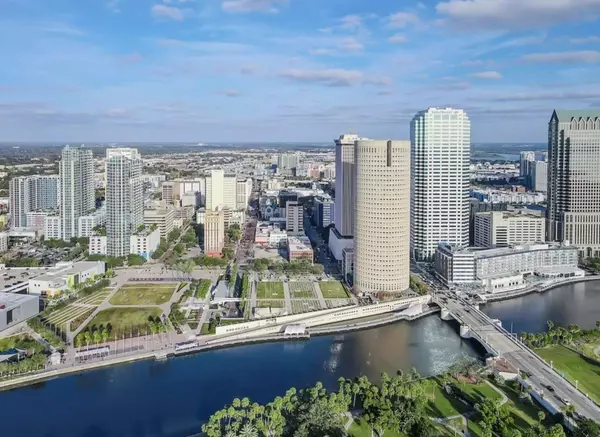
{"points": [[382, 216]]}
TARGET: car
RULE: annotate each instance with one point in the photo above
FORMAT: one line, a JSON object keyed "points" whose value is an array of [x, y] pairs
{"points": [[565, 401], [550, 388]]}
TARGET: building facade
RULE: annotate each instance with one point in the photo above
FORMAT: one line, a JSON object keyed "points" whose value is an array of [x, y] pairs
{"points": [[20, 204], [163, 218], [440, 160], [77, 196], [294, 218], [168, 192], [323, 211], [382, 212], [221, 190], [526, 160], [344, 184], [214, 232], [539, 176], [503, 229], [144, 243], [87, 223], [243, 192], [53, 227], [124, 199], [574, 179], [287, 161]]}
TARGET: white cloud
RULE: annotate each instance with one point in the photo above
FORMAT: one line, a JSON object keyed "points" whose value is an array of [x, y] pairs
{"points": [[397, 39], [329, 77], [245, 6], [403, 19], [563, 58], [351, 22], [230, 93], [487, 75], [351, 45], [515, 14], [585, 40], [113, 6], [322, 52], [170, 12]]}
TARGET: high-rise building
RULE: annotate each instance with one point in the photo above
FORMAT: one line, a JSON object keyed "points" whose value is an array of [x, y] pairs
{"points": [[76, 188], [35, 193], [574, 179], [287, 161], [214, 232], [243, 192], [539, 176], [323, 211], [18, 192], [382, 212], [525, 162], [168, 192], [503, 229], [221, 190], [124, 199], [440, 159], [344, 184], [294, 218], [163, 218]]}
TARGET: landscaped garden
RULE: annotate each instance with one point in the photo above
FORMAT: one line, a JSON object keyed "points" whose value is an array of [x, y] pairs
{"points": [[143, 294], [301, 289], [269, 290], [333, 290], [24, 355], [272, 303], [126, 322]]}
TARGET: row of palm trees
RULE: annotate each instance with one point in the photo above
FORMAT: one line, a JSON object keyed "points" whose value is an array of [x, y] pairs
{"points": [[560, 334]]}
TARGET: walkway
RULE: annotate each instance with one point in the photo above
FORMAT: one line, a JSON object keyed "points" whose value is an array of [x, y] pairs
{"points": [[320, 295], [287, 297]]}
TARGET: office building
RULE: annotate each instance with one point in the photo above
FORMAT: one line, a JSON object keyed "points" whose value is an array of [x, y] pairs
{"points": [[382, 212], [124, 199], [77, 196], [243, 193], [504, 228], [299, 249], [323, 211], [144, 242], [504, 269], [163, 218], [574, 179], [168, 192], [214, 232], [221, 190], [539, 176], [344, 184], [526, 160], [440, 160], [294, 218]]}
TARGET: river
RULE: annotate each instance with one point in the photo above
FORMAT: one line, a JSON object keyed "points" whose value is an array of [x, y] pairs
{"points": [[172, 398]]}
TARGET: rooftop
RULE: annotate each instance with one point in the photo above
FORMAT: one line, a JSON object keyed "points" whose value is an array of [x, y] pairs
{"points": [[567, 114], [11, 300]]}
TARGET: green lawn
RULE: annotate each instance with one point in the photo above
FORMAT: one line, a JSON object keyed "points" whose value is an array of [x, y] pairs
{"points": [[207, 329], [270, 303], [125, 321], [22, 341], [333, 290], [143, 294], [269, 290], [575, 368], [359, 428]]}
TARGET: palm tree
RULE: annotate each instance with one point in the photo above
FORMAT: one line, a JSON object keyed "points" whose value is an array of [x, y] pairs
{"points": [[598, 324], [550, 324], [248, 430]]}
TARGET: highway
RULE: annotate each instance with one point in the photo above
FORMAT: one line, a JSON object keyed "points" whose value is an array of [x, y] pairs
{"points": [[542, 377]]}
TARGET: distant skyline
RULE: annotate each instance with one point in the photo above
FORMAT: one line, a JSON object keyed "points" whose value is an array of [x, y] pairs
{"points": [[290, 70]]}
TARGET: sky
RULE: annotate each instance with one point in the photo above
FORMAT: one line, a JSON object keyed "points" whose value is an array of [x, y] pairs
{"points": [[290, 70]]}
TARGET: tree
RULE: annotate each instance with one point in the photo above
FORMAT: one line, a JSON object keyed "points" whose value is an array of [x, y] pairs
{"points": [[135, 260], [173, 235], [586, 428], [495, 418], [227, 253]]}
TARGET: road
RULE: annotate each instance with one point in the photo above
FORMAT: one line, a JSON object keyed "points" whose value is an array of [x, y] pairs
{"points": [[521, 357]]}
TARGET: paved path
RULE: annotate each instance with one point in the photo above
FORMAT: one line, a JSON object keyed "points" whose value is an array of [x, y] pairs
{"points": [[320, 296], [287, 297]]}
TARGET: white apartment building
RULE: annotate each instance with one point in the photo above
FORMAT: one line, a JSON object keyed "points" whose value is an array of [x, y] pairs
{"points": [[505, 268], [214, 232], [87, 223], [53, 227], [144, 243], [539, 176], [287, 161], [163, 218], [440, 159], [504, 228], [574, 179], [97, 245], [3, 242], [37, 219], [243, 192], [20, 204], [124, 199], [294, 218], [77, 196], [221, 190], [382, 216], [526, 160]]}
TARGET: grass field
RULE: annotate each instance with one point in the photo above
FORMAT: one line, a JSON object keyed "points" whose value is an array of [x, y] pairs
{"points": [[269, 290], [273, 303], [300, 306], [301, 290], [143, 294], [128, 321], [75, 323], [333, 290], [575, 368]]}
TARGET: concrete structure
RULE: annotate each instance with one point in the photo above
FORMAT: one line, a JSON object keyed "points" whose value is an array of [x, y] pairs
{"points": [[88, 222], [440, 158], [53, 227], [3, 242], [221, 190], [97, 245], [163, 218], [77, 196], [294, 218], [526, 160], [124, 198], [299, 249], [500, 269], [16, 308], [214, 232], [382, 211], [145, 242], [324, 211], [574, 179], [504, 228], [539, 176], [65, 276], [31, 194], [168, 192], [243, 192]]}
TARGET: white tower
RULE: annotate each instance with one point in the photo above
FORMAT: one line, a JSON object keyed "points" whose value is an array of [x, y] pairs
{"points": [[77, 196]]}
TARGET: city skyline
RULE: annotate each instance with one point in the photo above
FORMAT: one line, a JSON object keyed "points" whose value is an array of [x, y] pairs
{"points": [[249, 70]]}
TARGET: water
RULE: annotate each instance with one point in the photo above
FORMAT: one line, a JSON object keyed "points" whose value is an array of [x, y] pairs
{"points": [[174, 397]]}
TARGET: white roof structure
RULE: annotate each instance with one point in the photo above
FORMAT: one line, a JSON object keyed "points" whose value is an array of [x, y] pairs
{"points": [[295, 330]]}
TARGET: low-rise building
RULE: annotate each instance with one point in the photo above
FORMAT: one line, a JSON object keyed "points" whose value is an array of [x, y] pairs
{"points": [[97, 245], [503, 269], [504, 228], [37, 219], [65, 276], [299, 248], [52, 227], [87, 223], [16, 308], [163, 218], [145, 242]]}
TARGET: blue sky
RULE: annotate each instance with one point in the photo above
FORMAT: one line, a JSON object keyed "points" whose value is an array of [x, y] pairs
{"points": [[290, 70]]}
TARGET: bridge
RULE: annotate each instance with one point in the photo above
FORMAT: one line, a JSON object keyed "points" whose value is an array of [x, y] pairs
{"points": [[499, 342]]}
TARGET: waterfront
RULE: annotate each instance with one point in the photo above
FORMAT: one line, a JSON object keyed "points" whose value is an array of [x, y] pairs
{"points": [[173, 397]]}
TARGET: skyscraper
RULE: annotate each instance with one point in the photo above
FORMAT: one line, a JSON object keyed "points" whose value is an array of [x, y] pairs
{"points": [[440, 159], [32, 193], [573, 212], [77, 197], [221, 190], [287, 161], [344, 184], [124, 199], [18, 193], [382, 212], [526, 160]]}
